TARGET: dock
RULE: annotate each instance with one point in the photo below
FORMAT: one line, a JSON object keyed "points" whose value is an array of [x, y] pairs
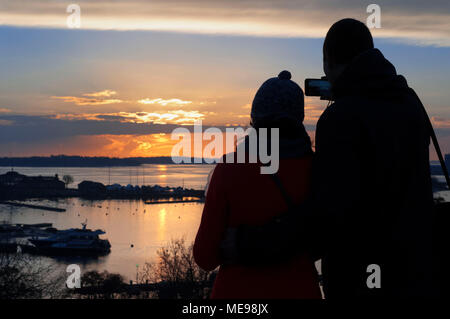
{"points": [[49, 208], [175, 201]]}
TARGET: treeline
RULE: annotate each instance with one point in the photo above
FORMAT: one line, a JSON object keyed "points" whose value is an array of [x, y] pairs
{"points": [[81, 161]]}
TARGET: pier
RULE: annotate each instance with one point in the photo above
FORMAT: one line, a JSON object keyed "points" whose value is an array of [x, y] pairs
{"points": [[175, 201], [49, 208]]}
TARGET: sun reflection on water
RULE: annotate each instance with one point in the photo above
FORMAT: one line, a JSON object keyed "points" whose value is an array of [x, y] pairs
{"points": [[161, 224]]}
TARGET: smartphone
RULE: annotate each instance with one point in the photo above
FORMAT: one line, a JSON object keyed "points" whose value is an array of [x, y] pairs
{"points": [[318, 87]]}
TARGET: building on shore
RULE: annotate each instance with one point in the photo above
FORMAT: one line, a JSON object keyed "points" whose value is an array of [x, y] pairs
{"points": [[14, 179], [92, 189], [13, 183]]}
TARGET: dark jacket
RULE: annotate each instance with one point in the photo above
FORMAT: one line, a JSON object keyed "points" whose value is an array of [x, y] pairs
{"points": [[372, 184], [372, 198]]}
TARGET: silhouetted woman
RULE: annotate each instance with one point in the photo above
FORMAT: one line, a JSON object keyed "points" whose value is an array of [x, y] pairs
{"points": [[239, 194]]}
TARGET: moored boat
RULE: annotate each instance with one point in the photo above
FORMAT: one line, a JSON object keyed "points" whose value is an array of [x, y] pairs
{"points": [[73, 242]]}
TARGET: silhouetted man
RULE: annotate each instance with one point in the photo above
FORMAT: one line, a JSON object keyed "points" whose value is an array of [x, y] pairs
{"points": [[369, 217]]}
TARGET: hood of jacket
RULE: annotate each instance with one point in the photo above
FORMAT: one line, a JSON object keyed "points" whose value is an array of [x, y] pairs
{"points": [[370, 74]]}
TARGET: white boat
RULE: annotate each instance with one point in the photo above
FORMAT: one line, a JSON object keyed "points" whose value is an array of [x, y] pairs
{"points": [[73, 242]]}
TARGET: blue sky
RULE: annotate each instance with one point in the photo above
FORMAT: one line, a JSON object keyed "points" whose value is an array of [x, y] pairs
{"points": [[69, 80]]}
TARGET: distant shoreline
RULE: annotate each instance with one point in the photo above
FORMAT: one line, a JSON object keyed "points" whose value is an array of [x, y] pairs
{"points": [[87, 161]]}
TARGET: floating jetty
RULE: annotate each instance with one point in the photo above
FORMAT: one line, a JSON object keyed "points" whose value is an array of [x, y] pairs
{"points": [[49, 208], [175, 201], [9, 231]]}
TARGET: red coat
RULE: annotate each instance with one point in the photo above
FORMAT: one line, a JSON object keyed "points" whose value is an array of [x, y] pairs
{"points": [[240, 194]]}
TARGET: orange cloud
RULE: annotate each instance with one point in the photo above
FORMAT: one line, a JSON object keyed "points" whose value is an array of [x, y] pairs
{"points": [[128, 145], [440, 122], [170, 117], [86, 101], [115, 145], [124, 145], [95, 98], [85, 116], [103, 93], [313, 109], [160, 101]]}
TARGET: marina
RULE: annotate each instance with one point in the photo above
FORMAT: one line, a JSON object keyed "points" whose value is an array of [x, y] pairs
{"points": [[134, 229], [49, 208]]}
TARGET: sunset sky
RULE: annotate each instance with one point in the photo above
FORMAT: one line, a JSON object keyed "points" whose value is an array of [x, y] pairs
{"points": [[135, 70]]}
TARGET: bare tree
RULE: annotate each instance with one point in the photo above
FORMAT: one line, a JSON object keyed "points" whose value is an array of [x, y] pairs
{"points": [[67, 179], [103, 285], [23, 276], [174, 275], [176, 272]]}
